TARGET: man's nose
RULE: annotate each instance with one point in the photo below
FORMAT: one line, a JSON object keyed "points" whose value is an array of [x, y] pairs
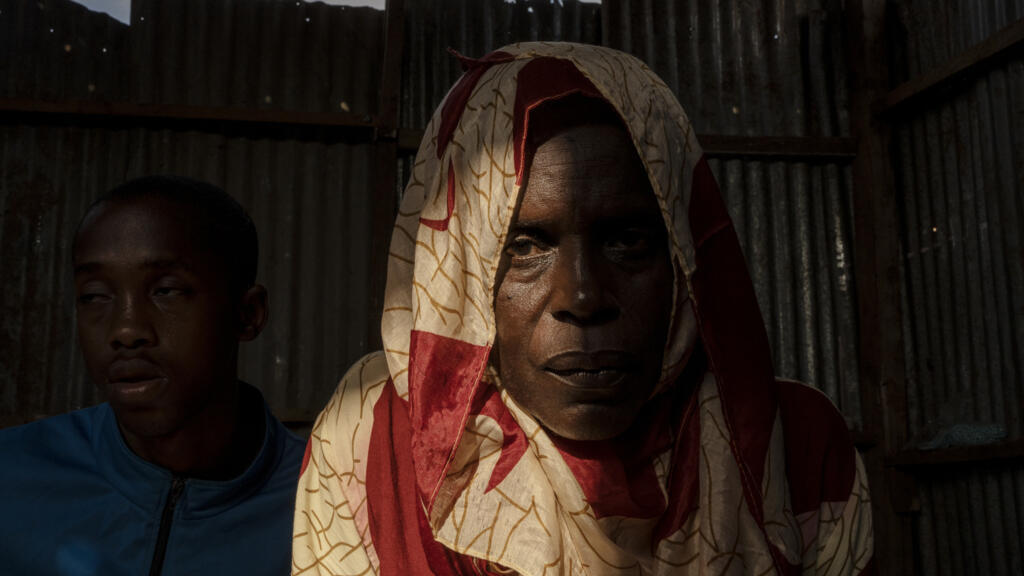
{"points": [[581, 286], [131, 325]]}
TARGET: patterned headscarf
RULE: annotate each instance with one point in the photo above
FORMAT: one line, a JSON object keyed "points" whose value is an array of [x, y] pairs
{"points": [[446, 472]]}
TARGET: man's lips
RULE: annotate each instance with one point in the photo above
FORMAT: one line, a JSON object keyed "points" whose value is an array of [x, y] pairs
{"points": [[133, 370], [133, 379], [595, 371]]}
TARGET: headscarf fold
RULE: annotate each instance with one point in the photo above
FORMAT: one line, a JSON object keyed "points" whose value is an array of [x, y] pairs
{"points": [[441, 471]]}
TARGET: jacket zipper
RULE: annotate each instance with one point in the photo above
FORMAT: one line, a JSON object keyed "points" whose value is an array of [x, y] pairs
{"points": [[177, 487]]}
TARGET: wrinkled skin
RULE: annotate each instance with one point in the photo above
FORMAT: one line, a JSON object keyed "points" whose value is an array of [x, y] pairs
{"points": [[584, 287], [159, 330]]}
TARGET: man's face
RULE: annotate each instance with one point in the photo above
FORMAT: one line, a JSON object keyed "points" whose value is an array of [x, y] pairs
{"points": [[584, 287], [155, 321]]}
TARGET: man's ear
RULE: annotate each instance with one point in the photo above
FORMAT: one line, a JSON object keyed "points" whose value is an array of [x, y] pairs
{"points": [[253, 311]]}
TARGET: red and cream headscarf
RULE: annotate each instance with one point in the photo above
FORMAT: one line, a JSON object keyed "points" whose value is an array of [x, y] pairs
{"points": [[421, 463]]}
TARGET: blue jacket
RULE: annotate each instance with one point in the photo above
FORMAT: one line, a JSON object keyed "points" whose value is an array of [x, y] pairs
{"points": [[74, 499]]}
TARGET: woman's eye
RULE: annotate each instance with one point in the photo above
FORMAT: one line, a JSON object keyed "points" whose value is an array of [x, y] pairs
{"points": [[633, 242], [523, 248]]}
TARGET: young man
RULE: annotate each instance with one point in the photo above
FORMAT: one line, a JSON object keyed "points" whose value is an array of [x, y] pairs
{"points": [[184, 470]]}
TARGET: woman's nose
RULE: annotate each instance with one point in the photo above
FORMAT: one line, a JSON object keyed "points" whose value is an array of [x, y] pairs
{"points": [[581, 286]]}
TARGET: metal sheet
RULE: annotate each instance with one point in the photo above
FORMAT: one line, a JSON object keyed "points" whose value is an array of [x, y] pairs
{"points": [[310, 197], [51, 49], [970, 522], [794, 218], [311, 204], [474, 28], [924, 34], [959, 166], [770, 68], [960, 170]]}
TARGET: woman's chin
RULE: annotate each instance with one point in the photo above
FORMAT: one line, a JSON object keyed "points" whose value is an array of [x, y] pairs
{"points": [[589, 423]]}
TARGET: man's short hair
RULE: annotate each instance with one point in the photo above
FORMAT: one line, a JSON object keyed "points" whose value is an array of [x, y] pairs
{"points": [[226, 224]]}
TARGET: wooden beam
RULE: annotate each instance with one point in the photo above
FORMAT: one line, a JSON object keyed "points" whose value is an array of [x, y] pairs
{"points": [[794, 148], [999, 45], [916, 460], [391, 75], [384, 124], [409, 140], [876, 262], [385, 197]]}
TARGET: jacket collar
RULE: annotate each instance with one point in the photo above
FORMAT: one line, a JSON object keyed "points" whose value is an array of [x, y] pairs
{"points": [[146, 485]]}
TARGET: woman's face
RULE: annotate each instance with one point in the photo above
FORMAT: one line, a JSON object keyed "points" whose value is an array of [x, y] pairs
{"points": [[584, 287]]}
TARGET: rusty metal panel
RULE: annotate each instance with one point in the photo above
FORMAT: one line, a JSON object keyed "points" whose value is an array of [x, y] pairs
{"points": [[770, 68], [54, 49], [744, 68], [960, 171], [265, 54], [268, 54], [311, 204], [273, 54], [309, 193], [925, 34], [971, 522], [40, 371], [474, 28], [959, 168]]}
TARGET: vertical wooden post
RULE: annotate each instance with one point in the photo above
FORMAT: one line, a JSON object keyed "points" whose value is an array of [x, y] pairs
{"points": [[385, 201], [876, 254]]}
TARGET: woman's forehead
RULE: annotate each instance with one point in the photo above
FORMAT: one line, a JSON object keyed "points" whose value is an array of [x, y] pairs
{"points": [[592, 168], [606, 145]]}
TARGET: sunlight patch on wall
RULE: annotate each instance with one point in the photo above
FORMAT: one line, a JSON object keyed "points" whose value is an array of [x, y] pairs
{"points": [[120, 10]]}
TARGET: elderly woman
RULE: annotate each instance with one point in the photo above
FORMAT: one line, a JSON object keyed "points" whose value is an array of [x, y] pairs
{"points": [[576, 379]]}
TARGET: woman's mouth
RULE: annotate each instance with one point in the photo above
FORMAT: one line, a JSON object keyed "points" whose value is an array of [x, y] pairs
{"points": [[604, 378], [592, 371]]}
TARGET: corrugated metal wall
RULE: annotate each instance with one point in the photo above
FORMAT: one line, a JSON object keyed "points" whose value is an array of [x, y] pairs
{"points": [[784, 79], [278, 54], [310, 197], [771, 69], [474, 28], [55, 49], [739, 68], [959, 164]]}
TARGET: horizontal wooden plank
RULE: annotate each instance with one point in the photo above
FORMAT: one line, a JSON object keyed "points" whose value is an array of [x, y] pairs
{"points": [[257, 119], [1000, 44], [339, 119], [797, 148], [991, 453]]}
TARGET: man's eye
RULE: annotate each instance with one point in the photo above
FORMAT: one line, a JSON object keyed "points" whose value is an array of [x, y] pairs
{"points": [[168, 291], [93, 298]]}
